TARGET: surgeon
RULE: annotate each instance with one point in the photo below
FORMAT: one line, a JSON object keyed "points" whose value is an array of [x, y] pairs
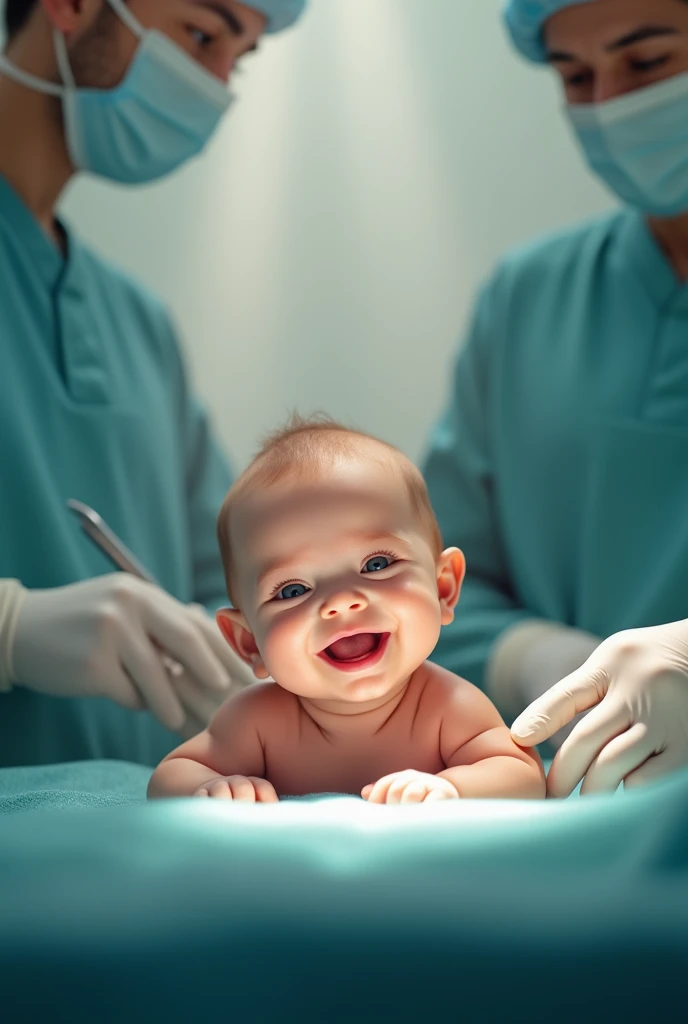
{"points": [[560, 466], [94, 398]]}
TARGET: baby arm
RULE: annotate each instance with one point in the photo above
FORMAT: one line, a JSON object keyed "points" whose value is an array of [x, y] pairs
{"points": [[485, 762], [224, 761]]}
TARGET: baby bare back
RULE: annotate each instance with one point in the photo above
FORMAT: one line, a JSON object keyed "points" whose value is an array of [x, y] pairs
{"points": [[268, 732]]}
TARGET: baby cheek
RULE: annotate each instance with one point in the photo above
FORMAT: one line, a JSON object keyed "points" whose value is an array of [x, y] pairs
{"points": [[419, 610], [283, 644]]}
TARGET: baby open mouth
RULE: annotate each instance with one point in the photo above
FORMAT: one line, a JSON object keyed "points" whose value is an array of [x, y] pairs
{"points": [[354, 648]]}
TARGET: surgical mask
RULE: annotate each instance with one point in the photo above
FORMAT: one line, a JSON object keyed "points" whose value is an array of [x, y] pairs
{"points": [[638, 145], [162, 114]]}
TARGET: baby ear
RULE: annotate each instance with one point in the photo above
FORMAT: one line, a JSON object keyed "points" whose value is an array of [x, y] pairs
{"points": [[236, 632], [451, 569]]}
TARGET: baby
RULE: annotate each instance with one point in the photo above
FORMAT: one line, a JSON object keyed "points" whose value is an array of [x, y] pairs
{"points": [[334, 565]]}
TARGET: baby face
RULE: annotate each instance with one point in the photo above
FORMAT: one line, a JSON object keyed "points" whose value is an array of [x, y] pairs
{"points": [[341, 594]]}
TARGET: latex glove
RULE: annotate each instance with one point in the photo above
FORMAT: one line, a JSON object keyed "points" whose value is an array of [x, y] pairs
{"points": [[105, 638], [199, 702], [636, 682], [531, 657], [246, 789]]}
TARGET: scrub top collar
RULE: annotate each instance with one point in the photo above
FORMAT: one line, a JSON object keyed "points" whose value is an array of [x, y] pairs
{"points": [[16, 218], [652, 267]]}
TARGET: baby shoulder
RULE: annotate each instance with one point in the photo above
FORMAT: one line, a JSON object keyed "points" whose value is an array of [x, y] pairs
{"points": [[452, 691], [257, 703]]}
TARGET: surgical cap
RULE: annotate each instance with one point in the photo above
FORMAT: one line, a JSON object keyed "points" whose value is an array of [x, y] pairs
{"points": [[280, 13], [525, 20]]}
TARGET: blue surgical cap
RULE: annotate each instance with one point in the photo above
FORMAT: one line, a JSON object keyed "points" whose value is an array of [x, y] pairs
{"points": [[525, 20], [280, 13]]}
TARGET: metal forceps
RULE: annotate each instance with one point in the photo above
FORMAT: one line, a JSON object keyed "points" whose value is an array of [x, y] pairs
{"points": [[97, 530]]}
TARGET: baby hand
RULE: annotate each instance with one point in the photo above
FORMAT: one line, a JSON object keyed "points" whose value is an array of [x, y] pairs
{"points": [[409, 787], [238, 787]]}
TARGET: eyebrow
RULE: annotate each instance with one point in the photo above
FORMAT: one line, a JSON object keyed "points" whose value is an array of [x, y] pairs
{"points": [[229, 17], [639, 35], [235, 26]]}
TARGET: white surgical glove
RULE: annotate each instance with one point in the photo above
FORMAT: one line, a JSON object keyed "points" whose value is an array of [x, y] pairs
{"points": [[636, 682], [531, 657], [110, 637], [199, 702]]}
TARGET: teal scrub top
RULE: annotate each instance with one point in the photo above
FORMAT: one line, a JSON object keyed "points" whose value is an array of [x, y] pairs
{"points": [[560, 466], [94, 405]]}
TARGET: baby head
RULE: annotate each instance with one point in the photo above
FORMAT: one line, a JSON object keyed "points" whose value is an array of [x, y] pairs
{"points": [[334, 565]]}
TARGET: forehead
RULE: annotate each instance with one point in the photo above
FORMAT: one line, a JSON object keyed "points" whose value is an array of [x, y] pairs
{"points": [[583, 27], [365, 493]]}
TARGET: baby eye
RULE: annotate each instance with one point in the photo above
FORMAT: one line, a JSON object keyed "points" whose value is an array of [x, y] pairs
{"points": [[291, 590], [377, 563]]}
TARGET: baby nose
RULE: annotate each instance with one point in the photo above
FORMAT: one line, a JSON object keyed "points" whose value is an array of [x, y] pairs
{"points": [[343, 602]]}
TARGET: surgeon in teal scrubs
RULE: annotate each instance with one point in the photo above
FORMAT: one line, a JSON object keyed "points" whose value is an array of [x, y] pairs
{"points": [[560, 466], [94, 399]]}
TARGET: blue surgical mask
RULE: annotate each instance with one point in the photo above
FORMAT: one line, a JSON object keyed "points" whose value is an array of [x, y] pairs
{"points": [[162, 114], [638, 145]]}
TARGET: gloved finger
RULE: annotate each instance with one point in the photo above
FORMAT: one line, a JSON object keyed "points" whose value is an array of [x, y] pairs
{"points": [[211, 631], [617, 759], [170, 626], [580, 749], [653, 769], [556, 741], [579, 691], [199, 704], [125, 693], [240, 673], [144, 667], [190, 728]]}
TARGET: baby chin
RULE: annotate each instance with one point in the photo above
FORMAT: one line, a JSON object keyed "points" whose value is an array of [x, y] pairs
{"points": [[361, 667]]}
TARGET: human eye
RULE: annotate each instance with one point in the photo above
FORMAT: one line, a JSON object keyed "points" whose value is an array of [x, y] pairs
{"points": [[205, 28], [200, 37], [382, 560], [577, 79], [643, 66], [288, 591]]}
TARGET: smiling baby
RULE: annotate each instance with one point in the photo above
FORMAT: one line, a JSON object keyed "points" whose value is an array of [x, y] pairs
{"points": [[339, 585]]}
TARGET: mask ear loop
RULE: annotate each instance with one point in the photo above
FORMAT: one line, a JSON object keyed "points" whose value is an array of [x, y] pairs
{"points": [[30, 81], [64, 67], [63, 63], [123, 12], [50, 88]]}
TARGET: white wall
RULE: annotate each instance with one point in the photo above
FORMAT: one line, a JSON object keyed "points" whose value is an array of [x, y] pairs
{"points": [[325, 253]]}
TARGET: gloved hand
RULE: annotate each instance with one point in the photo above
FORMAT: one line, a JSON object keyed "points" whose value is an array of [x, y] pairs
{"points": [[636, 682], [201, 703], [108, 637], [531, 657]]}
